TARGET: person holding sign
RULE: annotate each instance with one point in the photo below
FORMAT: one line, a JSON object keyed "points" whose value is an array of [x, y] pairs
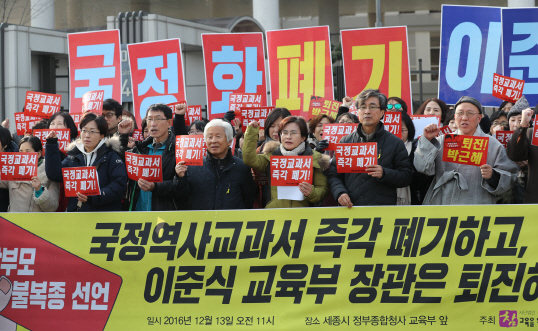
{"points": [[393, 169], [456, 183], [92, 148], [223, 181], [38, 195], [292, 132]]}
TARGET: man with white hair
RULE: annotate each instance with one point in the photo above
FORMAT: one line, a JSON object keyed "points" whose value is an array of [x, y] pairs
{"points": [[224, 181]]}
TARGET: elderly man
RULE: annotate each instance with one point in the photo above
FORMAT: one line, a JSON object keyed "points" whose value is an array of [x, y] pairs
{"points": [[393, 169], [224, 181], [464, 184]]}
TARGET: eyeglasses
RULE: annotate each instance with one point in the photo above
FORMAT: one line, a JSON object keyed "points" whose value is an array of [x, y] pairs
{"points": [[371, 107], [109, 114], [396, 106], [404, 130], [469, 114], [289, 133], [500, 123], [192, 132], [84, 131], [156, 120]]}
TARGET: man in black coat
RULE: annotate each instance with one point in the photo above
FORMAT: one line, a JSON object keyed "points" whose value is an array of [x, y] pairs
{"points": [[393, 170]]}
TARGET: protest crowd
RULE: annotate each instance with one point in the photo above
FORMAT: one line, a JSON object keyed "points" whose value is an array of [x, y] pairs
{"points": [[251, 165]]}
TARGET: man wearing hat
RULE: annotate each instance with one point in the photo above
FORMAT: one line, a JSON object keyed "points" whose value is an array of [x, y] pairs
{"points": [[463, 184]]}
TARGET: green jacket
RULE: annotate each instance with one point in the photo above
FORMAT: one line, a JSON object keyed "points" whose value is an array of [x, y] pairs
{"points": [[260, 162]]}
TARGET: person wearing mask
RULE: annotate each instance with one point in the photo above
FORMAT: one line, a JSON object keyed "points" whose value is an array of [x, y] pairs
{"points": [[463, 184], [393, 170], [94, 149], [38, 195], [223, 181], [112, 112], [6, 145]]}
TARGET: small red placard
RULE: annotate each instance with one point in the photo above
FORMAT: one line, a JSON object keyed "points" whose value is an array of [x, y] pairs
{"points": [[535, 132], [42, 104], [507, 88], [147, 167], [82, 180], [393, 123], [63, 136], [18, 166], [137, 135], [92, 101], [246, 115], [194, 113], [23, 122], [239, 101], [334, 132], [319, 105], [354, 158], [503, 137], [291, 170], [191, 149], [468, 150], [76, 118], [445, 130]]}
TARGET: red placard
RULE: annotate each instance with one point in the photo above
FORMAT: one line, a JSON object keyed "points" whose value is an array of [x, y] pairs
{"points": [[194, 113], [291, 170], [18, 166], [300, 66], [76, 119], [92, 101], [24, 123], [62, 134], [535, 132], [319, 105], [94, 65], [234, 63], [148, 167], [239, 101], [393, 123], [445, 130], [42, 104], [377, 58], [503, 137], [137, 135], [256, 113], [53, 289], [334, 132], [84, 180], [191, 149], [507, 88], [156, 74], [354, 158], [468, 150]]}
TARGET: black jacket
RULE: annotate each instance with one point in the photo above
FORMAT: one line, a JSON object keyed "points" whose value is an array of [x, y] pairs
{"points": [[218, 184], [364, 189]]}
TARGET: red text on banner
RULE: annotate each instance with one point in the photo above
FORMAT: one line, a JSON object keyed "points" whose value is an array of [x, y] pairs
{"points": [[24, 122], [246, 115], [42, 104], [18, 166], [83, 180], [354, 158], [319, 105], [503, 137], [191, 149], [507, 88], [92, 101], [393, 123], [291, 170], [147, 167], [334, 132], [468, 150], [63, 135]]}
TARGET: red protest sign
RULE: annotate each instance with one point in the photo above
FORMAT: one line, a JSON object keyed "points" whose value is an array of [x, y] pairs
{"points": [[254, 114], [503, 137], [18, 166], [468, 150], [42, 104], [393, 123], [137, 135], [234, 63], [334, 132], [148, 167], [300, 66], [354, 158], [94, 65], [63, 136], [377, 58], [319, 105], [191, 149], [535, 132], [445, 130], [53, 289], [194, 113], [291, 170], [92, 101], [240, 101], [76, 119], [24, 123], [507, 88], [84, 180]]}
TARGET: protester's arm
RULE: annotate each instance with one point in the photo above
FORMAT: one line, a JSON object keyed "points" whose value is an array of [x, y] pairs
{"points": [[49, 199], [180, 129], [53, 160], [402, 172], [429, 146], [115, 190], [320, 187], [250, 157], [346, 103], [518, 145]]}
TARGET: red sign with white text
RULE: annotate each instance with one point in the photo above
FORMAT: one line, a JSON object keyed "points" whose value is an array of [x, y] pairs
{"points": [[300, 66], [334, 132], [76, 119], [191, 149], [234, 63], [83, 180], [156, 74], [503, 137], [18, 166], [92, 101], [42, 104], [507, 88], [94, 65], [254, 114], [24, 123], [291, 170], [194, 113], [377, 58], [393, 123], [319, 105], [535, 132], [137, 135], [354, 158], [63, 136], [147, 167], [445, 130], [53, 289], [468, 150], [239, 101]]}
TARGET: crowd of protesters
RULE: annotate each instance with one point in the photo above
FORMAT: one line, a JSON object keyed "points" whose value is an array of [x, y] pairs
{"points": [[408, 171]]}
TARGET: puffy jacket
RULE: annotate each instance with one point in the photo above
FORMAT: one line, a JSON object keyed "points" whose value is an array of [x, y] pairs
{"points": [[110, 169], [212, 189], [364, 189]]}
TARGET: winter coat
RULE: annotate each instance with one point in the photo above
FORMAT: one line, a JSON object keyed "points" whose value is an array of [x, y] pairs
{"points": [[458, 184], [261, 162], [110, 170], [210, 188], [4, 192], [22, 198], [520, 148]]}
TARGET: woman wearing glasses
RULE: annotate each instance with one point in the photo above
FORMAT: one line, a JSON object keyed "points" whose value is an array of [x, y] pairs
{"points": [[396, 104], [91, 149]]}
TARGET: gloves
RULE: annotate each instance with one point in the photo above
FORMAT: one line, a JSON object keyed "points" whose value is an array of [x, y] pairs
{"points": [[229, 116], [322, 145]]}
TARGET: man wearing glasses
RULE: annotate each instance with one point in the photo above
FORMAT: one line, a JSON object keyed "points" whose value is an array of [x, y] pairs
{"points": [[393, 169], [458, 183], [112, 111]]}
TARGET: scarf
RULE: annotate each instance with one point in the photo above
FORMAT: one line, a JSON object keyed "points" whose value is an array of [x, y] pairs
{"points": [[296, 151], [90, 157]]}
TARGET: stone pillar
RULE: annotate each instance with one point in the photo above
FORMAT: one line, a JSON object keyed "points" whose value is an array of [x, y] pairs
{"points": [[328, 12], [267, 12], [42, 13], [521, 3]]}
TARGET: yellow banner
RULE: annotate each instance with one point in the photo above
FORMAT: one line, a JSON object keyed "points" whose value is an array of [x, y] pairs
{"points": [[446, 268]]}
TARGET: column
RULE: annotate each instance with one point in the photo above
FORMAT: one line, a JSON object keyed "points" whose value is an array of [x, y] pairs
{"points": [[267, 12]]}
